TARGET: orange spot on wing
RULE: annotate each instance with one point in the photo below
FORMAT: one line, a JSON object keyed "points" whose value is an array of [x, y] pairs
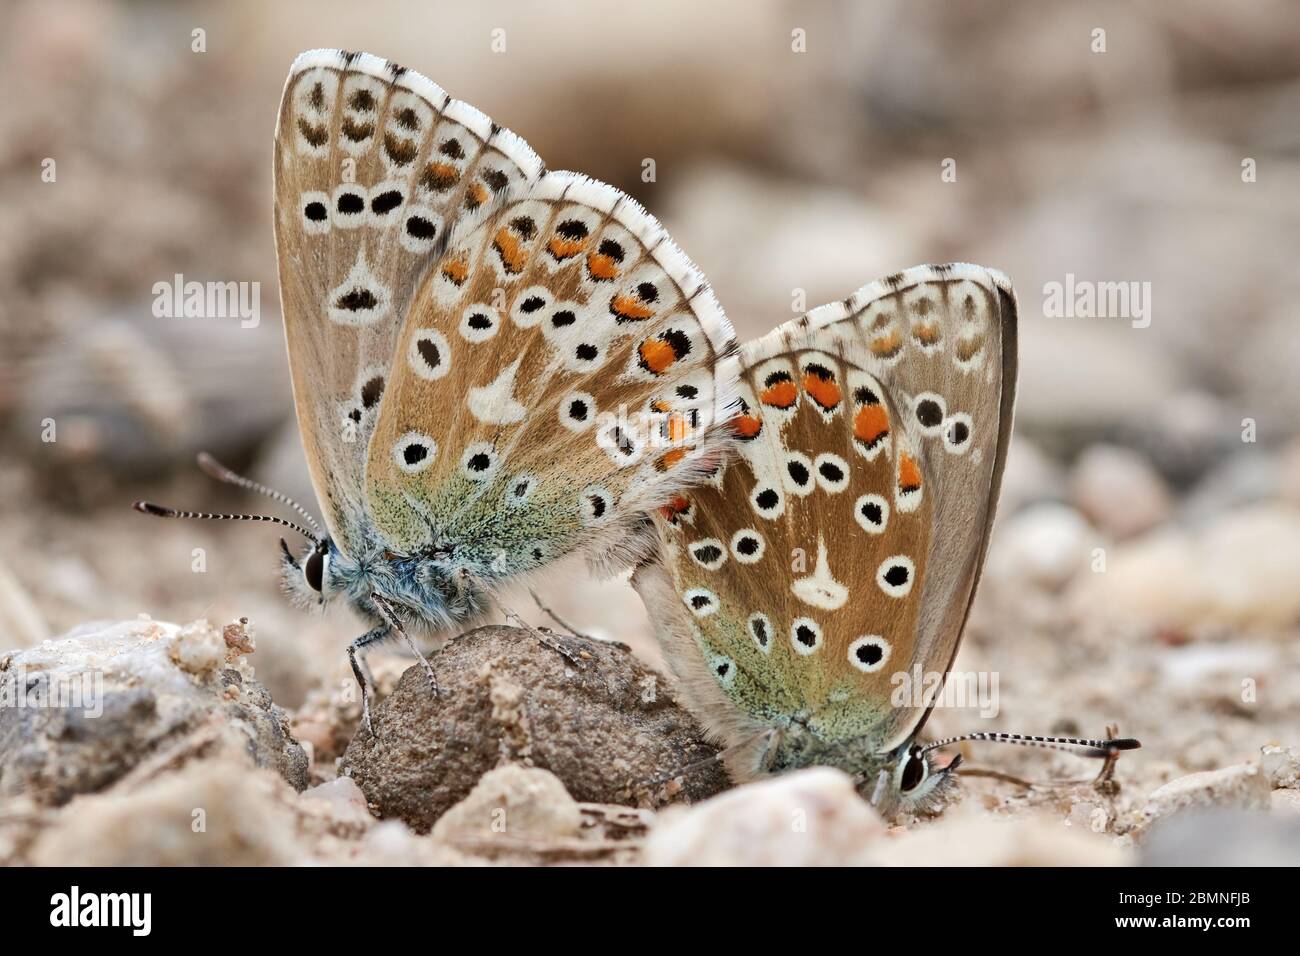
{"points": [[565, 248], [475, 196], [670, 458], [780, 395], [678, 506], [887, 345], [439, 176], [909, 473], [746, 426], [512, 253], [602, 267], [967, 349], [871, 424], [927, 333], [630, 307], [456, 270], [657, 355], [824, 391]]}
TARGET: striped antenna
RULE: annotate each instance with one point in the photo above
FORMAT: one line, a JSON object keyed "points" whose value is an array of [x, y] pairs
{"points": [[148, 508], [215, 469], [1091, 747]]}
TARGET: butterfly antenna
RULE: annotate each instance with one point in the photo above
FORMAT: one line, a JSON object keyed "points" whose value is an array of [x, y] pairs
{"points": [[1091, 747], [215, 469], [149, 508]]}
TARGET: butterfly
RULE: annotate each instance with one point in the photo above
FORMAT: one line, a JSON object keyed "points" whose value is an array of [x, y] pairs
{"points": [[844, 543], [494, 366]]}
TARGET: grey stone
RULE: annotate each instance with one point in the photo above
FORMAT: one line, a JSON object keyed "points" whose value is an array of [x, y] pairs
{"points": [[594, 716]]}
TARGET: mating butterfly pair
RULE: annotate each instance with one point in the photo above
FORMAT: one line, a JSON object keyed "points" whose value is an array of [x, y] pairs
{"points": [[495, 366]]}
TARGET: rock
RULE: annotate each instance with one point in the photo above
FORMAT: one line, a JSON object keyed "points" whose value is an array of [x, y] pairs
{"points": [[92, 705], [1243, 786], [393, 843], [217, 811], [975, 838], [1281, 765], [802, 236], [21, 622], [1285, 801], [1030, 478], [1045, 545], [594, 716], [1118, 491], [1224, 838], [810, 817], [1237, 573], [340, 800], [1246, 478], [1289, 473], [1186, 435], [513, 802], [132, 393]]}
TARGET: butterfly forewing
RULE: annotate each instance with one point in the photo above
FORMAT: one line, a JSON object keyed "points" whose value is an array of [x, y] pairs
{"points": [[843, 544], [559, 376], [374, 165]]}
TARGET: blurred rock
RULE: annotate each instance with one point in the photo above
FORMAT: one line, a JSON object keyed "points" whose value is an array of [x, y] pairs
{"points": [[1248, 477], [21, 622], [512, 803], [134, 393], [590, 713], [810, 817], [799, 235], [1238, 572], [1289, 473], [222, 811], [1243, 785], [1286, 802], [1118, 491], [393, 843], [1186, 435], [975, 838], [340, 800], [1281, 765], [103, 698], [1031, 478], [1224, 838], [1194, 666], [1045, 545]]}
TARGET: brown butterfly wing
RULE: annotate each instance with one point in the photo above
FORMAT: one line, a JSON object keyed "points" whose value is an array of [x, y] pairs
{"points": [[845, 543], [560, 376], [374, 165]]}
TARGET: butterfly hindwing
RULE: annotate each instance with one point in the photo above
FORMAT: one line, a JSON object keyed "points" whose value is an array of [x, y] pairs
{"points": [[844, 543], [558, 376], [374, 165]]}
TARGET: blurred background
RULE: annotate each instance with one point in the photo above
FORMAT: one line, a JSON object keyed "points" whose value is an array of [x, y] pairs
{"points": [[1146, 564]]}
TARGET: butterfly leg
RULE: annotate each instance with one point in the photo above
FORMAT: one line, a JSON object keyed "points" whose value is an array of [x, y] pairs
{"points": [[361, 670]]}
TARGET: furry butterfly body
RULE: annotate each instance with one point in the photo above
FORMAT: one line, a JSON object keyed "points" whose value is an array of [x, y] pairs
{"points": [[493, 366], [845, 541]]}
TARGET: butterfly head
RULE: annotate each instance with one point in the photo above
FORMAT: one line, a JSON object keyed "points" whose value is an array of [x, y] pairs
{"points": [[910, 780], [905, 778], [310, 579]]}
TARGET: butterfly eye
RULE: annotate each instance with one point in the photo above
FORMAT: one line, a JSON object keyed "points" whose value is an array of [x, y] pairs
{"points": [[313, 569], [914, 772]]}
